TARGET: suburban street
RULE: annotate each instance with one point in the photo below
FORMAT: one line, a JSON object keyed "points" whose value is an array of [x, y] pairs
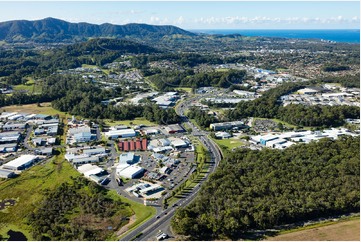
{"points": [[150, 228]]}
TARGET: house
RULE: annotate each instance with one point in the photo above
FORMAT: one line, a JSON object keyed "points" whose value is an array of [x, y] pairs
{"points": [[21, 163]]}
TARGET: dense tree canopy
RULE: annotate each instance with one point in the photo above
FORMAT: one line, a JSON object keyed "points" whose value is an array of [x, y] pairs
{"points": [[262, 189]]}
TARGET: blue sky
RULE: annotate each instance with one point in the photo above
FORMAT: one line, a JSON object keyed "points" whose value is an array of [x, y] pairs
{"points": [[196, 15]]}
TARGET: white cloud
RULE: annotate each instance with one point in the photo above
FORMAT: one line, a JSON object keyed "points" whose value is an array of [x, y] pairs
{"points": [[237, 20]]}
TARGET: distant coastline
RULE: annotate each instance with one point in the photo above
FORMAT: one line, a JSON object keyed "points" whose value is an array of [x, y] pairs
{"points": [[337, 35]]}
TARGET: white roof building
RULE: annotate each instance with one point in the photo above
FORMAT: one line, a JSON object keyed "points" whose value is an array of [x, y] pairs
{"points": [[123, 133], [21, 162], [130, 172]]}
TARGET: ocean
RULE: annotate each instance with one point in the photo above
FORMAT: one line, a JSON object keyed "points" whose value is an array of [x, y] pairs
{"points": [[337, 35]]}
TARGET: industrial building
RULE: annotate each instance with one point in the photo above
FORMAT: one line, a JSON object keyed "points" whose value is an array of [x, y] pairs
{"points": [[227, 125], [130, 172], [122, 133], [223, 135], [128, 158], [94, 173], [21, 163], [84, 160], [6, 173], [174, 128]]}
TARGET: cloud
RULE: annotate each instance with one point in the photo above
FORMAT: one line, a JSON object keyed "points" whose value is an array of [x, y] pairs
{"points": [[236, 20]]}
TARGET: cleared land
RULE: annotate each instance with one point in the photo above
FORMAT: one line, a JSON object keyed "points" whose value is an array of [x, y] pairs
{"points": [[136, 121], [229, 143], [30, 86], [340, 231], [44, 108]]}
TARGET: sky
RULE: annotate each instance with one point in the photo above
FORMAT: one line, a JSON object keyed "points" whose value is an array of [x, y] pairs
{"points": [[195, 15]]}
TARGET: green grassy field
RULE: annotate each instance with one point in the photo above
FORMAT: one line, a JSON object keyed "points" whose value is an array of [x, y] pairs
{"points": [[229, 143], [44, 108], [136, 121], [186, 89], [29, 189], [30, 86]]}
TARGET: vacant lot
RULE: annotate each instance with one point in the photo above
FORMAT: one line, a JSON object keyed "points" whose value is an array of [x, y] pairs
{"points": [[229, 143], [43, 108], [346, 230]]}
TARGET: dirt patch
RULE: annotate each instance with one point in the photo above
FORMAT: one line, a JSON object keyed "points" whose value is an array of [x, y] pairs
{"points": [[348, 230], [125, 228]]}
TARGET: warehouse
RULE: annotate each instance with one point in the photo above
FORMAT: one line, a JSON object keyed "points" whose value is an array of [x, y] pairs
{"points": [[6, 173], [8, 147], [174, 128], [131, 172], [84, 160], [227, 125], [123, 133], [94, 151], [128, 158], [21, 163]]}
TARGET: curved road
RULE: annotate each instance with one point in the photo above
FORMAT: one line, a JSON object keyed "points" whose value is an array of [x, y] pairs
{"points": [[150, 227]]}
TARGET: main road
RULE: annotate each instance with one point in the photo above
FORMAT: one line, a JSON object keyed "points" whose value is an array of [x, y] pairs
{"points": [[147, 230]]}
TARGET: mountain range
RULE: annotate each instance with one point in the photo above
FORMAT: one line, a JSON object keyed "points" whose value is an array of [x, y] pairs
{"points": [[56, 30]]}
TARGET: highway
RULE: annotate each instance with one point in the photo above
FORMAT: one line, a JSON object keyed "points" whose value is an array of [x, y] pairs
{"points": [[147, 230]]}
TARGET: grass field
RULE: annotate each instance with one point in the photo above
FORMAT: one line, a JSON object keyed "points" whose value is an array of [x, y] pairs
{"points": [[186, 89], [29, 189], [229, 143], [136, 121], [31, 86], [44, 108], [334, 231]]}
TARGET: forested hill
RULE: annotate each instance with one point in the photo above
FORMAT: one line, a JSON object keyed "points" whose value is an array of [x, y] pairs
{"points": [[56, 30], [262, 189], [15, 64]]}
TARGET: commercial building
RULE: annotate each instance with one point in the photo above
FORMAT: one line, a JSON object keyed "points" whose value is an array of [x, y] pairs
{"points": [[130, 172], [94, 151], [6, 173], [4, 148], [128, 158], [85, 160], [174, 128], [227, 125], [123, 133], [93, 172], [222, 135], [14, 126], [21, 163], [45, 151]]}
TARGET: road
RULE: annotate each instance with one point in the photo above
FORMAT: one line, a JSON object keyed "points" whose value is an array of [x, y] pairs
{"points": [[162, 220]]}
